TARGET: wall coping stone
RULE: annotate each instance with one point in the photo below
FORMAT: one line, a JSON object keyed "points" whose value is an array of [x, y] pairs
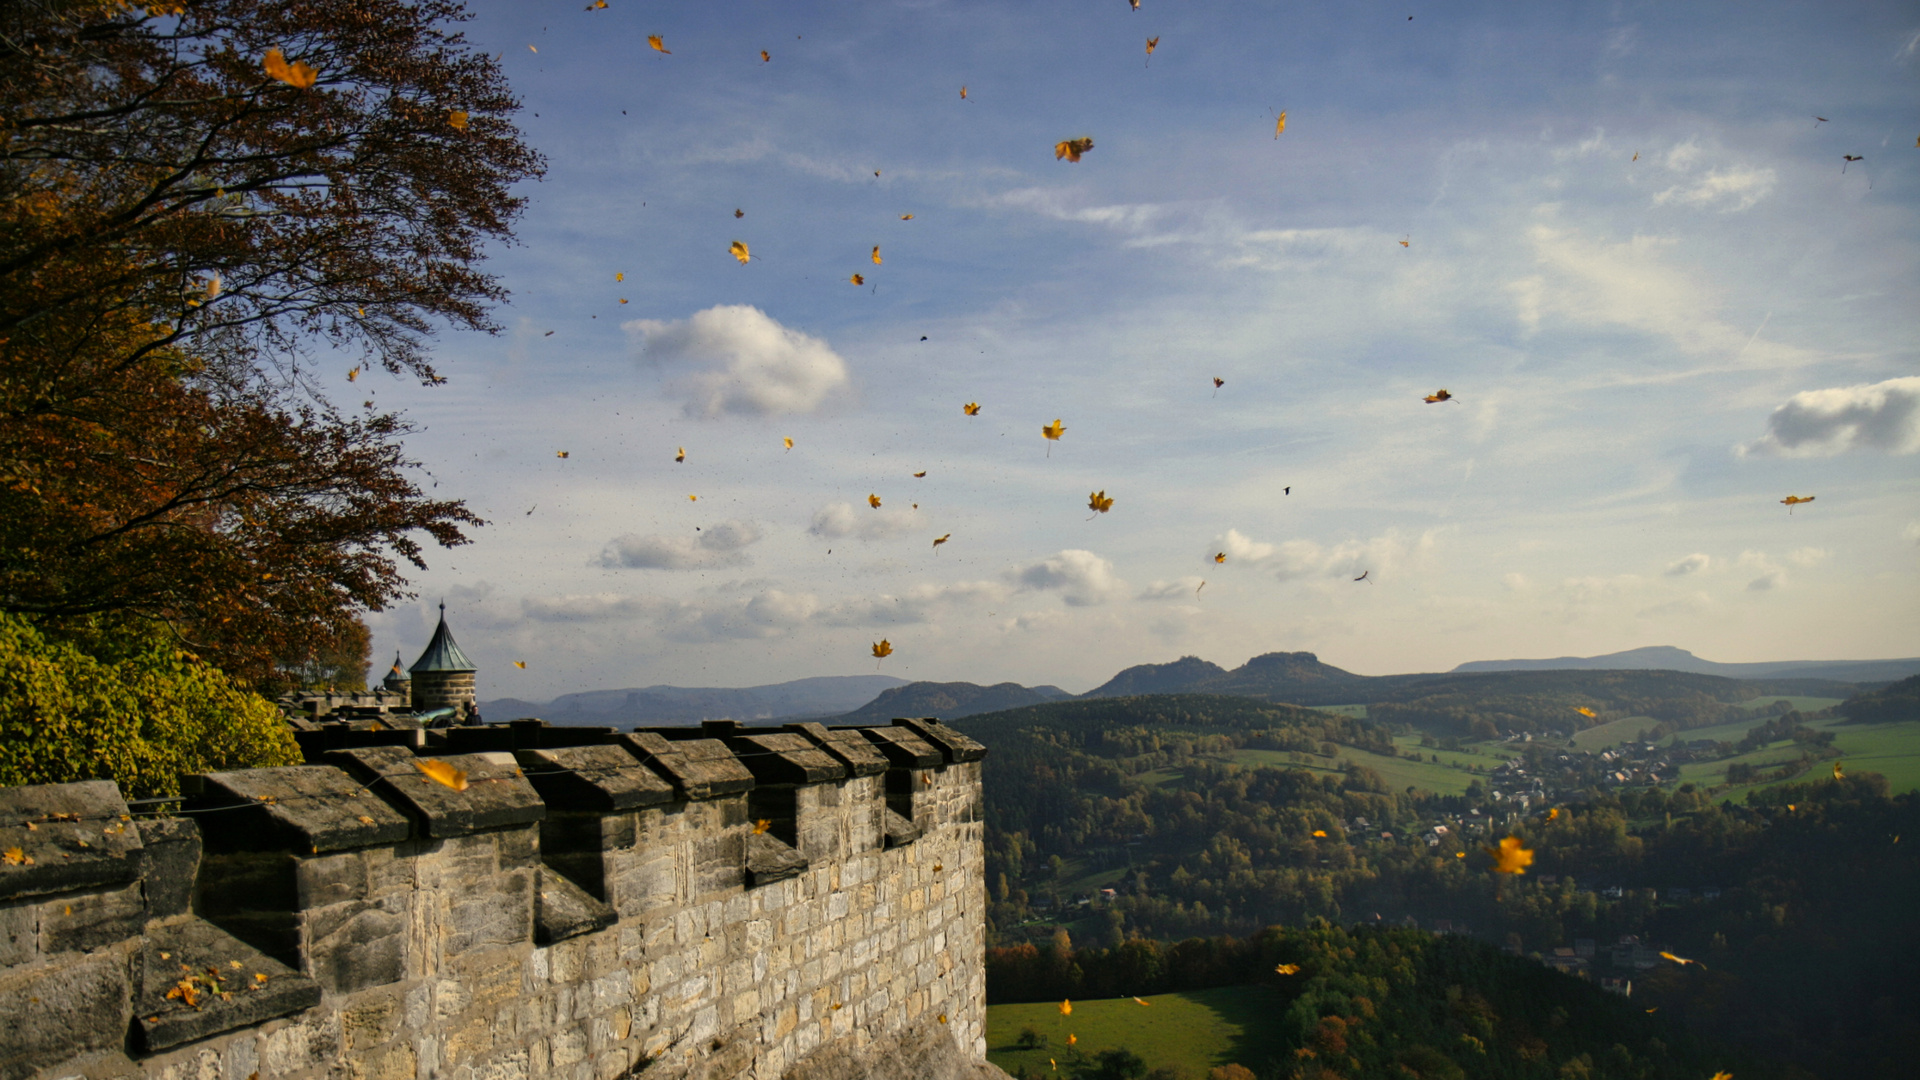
{"points": [[173, 949], [848, 746], [784, 757], [592, 778], [770, 859], [496, 796], [956, 746], [901, 747], [298, 808], [70, 836], [563, 910], [700, 768]]}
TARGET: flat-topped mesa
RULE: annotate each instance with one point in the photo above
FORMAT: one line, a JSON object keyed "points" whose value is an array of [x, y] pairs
{"points": [[514, 900]]}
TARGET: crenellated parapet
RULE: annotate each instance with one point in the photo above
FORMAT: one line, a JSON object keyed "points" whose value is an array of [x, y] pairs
{"points": [[722, 901]]}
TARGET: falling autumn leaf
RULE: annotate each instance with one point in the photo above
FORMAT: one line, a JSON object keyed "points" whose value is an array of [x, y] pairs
{"points": [[297, 75], [681, 456], [562, 453], [1072, 1039], [654, 43], [906, 217], [739, 213], [882, 648], [1681, 960], [1407, 241], [963, 93], [457, 119], [1099, 502], [876, 255], [1438, 396], [762, 825], [1792, 501], [693, 498], [1066, 1008], [1838, 773], [521, 664], [1152, 44], [1584, 711], [1363, 576], [971, 408], [1071, 149], [938, 540], [353, 374], [1718, 1075], [764, 57], [1218, 382], [1553, 813], [619, 276], [442, 773], [1219, 556], [857, 280], [1511, 857], [1142, 1001], [921, 475], [873, 501], [1459, 854], [739, 251], [1320, 834], [1054, 430], [1280, 125], [1287, 969], [788, 441]]}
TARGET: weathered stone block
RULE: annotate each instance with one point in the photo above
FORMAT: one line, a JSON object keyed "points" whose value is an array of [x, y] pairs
{"points": [[70, 836], [356, 945], [564, 910], [196, 980], [496, 910], [170, 860], [53, 1013], [78, 922]]}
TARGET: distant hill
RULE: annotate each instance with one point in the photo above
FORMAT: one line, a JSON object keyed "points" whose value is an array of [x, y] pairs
{"points": [[1901, 701], [950, 700], [1668, 658], [1171, 678], [826, 695]]}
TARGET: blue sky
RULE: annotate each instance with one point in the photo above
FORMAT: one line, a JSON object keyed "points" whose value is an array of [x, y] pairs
{"points": [[1646, 355]]}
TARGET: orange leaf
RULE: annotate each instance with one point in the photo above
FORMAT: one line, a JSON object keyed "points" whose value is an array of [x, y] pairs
{"points": [[873, 501], [442, 773], [1142, 1001], [764, 58], [1098, 502], [521, 664], [857, 280], [876, 255], [561, 453], [1287, 969], [963, 93], [457, 119], [938, 540], [971, 408], [13, 856], [654, 43], [297, 75], [1066, 1008], [882, 648], [681, 455], [1511, 857], [1320, 833], [1584, 711], [789, 441], [739, 251], [1152, 44], [1054, 430], [906, 217], [762, 825], [1071, 149], [1219, 556], [1280, 125], [920, 475], [1438, 396]]}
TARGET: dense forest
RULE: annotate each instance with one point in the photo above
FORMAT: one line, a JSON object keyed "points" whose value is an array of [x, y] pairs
{"points": [[1385, 1002], [1797, 902]]}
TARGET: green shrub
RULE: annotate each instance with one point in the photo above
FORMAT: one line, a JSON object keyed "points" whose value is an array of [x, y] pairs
{"points": [[142, 719]]}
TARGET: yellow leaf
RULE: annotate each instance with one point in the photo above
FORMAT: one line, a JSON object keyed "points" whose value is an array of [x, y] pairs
{"points": [[521, 664], [943, 1018], [442, 773], [1838, 774], [1681, 960], [457, 119], [365, 820], [619, 276], [1098, 502], [1071, 149], [873, 501], [681, 456], [1054, 430], [1219, 556], [654, 43], [739, 251], [1152, 44], [906, 217], [1792, 501], [920, 475], [1438, 396], [1287, 969], [1584, 711], [971, 408], [836, 1006], [764, 57], [562, 453], [1511, 857], [857, 280], [1718, 1075], [1142, 1001], [296, 74], [1459, 854], [1066, 1008], [234, 964], [876, 255], [1405, 241], [259, 977], [1320, 833], [762, 825], [1553, 813], [938, 540], [789, 441], [13, 856], [533, 48], [1280, 125], [693, 498], [882, 648], [353, 374], [963, 93], [1072, 1039]]}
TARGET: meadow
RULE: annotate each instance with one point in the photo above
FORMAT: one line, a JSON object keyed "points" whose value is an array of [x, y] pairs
{"points": [[1192, 1031]]}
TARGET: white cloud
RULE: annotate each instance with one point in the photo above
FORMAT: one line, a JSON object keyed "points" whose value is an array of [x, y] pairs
{"points": [[1294, 559], [919, 604], [736, 359], [1683, 157], [1177, 589], [1731, 189], [837, 520], [1772, 575], [1820, 423], [715, 545], [1808, 556], [594, 607], [1691, 564], [1080, 577], [768, 613]]}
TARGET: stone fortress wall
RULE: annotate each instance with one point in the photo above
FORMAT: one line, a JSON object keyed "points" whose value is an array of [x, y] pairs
{"points": [[799, 903]]}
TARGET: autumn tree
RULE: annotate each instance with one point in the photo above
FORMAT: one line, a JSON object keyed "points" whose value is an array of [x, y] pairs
{"points": [[197, 200]]}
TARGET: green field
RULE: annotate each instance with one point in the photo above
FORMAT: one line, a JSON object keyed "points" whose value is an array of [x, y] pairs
{"points": [[1891, 749], [1612, 733], [1194, 1031], [1358, 712], [1804, 704]]}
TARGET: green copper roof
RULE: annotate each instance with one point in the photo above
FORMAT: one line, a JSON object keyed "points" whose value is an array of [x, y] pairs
{"points": [[443, 653]]}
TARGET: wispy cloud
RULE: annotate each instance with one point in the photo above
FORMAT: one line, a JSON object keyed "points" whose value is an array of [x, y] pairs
{"points": [[718, 545]]}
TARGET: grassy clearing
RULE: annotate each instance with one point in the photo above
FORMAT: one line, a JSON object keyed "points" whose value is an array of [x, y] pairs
{"points": [[1892, 750], [1804, 704], [1358, 712], [1399, 773], [1195, 1031], [1612, 733]]}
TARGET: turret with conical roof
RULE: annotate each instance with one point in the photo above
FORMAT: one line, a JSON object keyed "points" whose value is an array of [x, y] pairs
{"points": [[443, 675], [397, 680]]}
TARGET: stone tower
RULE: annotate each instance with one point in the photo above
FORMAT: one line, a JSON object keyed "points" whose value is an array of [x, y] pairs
{"points": [[443, 675], [397, 680]]}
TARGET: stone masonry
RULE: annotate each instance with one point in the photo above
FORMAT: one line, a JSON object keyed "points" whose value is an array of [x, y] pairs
{"points": [[801, 903]]}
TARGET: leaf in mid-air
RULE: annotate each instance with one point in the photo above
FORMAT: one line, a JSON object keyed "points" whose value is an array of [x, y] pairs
{"points": [[654, 43], [882, 648], [442, 773], [739, 251], [1838, 772], [1152, 44], [521, 664], [789, 441], [457, 119], [1071, 149], [1511, 857], [297, 75], [873, 501], [1287, 969], [1054, 430], [1320, 834], [681, 456], [1584, 711], [938, 540], [765, 57], [920, 475], [876, 255], [971, 408], [1438, 396], [963, 93], [762, 825], [857, 280], [1280, 125], [1219, 556], [1066, 1008], [1099, 502]]}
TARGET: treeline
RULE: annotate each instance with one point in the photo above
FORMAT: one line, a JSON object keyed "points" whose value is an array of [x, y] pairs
{"points": [[1389, 1003], [1899, 701]]}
